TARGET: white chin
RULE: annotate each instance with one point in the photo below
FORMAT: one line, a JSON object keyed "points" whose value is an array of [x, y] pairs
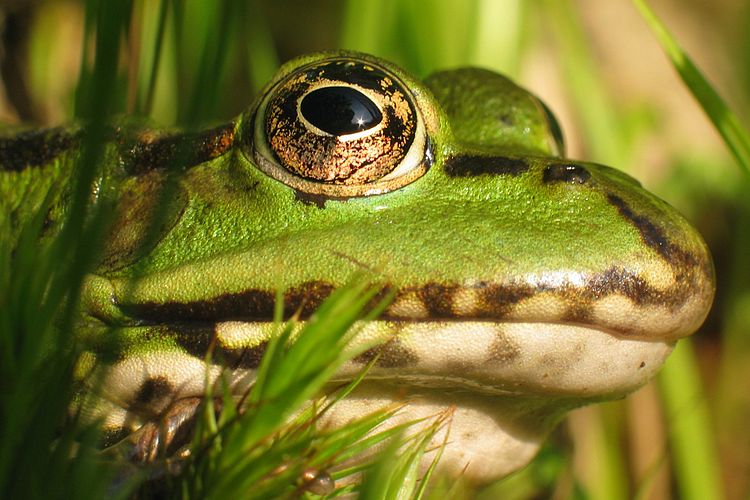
{"points": [[503, 406], [489, 436]]}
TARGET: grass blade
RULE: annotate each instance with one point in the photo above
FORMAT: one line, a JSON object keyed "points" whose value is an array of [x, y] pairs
{"points": [[726, 122], [691, 439]]}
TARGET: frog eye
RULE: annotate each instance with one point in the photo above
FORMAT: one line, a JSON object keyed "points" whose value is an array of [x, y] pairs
{"points": [[340, 127]]}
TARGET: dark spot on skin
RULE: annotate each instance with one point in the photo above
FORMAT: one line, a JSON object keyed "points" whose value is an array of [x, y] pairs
{"points": [[316, 200], [579, 312], [392, 354], [152, 390], [503, 350], [651, 234], [571, 174], [149, 206], [643, 364], [36, 148], [472, 165], [197, 340], [142, 151], [438, 299], [250, 304], [497, 300], [556, 364]]}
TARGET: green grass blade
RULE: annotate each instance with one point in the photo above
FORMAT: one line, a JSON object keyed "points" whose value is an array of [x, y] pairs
{"points": [[691, 439], [597, 110], [726, 122], [263, 60]]}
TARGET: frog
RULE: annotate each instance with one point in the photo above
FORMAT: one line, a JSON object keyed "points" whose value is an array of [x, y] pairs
{"points": [[524, 284]]}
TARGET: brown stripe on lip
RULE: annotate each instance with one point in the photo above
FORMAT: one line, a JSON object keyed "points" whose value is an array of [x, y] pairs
{"points": [[494, 300], [36, 148], [249, 305], [474, 165]]}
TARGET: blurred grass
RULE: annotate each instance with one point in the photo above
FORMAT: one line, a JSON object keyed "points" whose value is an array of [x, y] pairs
{"points": [[734, 134], [199, 64]]}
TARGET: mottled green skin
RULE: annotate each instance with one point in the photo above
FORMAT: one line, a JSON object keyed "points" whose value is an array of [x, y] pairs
{"points": [[458, 243]]}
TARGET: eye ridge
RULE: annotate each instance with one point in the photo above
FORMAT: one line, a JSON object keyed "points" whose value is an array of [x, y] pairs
{"points": [[340, 110]]}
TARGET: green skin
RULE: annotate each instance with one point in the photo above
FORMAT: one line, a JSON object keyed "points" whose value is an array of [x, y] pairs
{"points": [[536, 239]]}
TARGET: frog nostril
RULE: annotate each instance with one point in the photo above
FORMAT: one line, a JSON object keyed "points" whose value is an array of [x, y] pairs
{"points": [[561, 172], [340, 110]]}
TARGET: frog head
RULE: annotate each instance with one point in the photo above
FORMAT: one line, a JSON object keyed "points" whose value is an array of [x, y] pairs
{"points": [[525, 284]]}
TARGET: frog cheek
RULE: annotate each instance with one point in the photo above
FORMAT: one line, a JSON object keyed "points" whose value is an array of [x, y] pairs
{"points": [[339, 127]]}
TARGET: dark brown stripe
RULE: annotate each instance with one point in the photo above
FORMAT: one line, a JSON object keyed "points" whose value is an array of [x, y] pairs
{"points": [[36, 148], [472, 165], [147, 150], [253, 304], [568, 173], [652, 235]]}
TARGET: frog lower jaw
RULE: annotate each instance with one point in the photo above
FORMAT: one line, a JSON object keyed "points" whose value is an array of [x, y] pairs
{"points": [[505, 384], [483, 358]]}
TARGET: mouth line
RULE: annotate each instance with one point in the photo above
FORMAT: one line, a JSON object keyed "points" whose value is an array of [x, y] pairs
{"points": [[395, 324], [491, 359]]}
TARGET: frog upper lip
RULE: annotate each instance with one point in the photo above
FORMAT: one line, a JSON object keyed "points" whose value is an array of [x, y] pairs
{"points": [[617, 300]]}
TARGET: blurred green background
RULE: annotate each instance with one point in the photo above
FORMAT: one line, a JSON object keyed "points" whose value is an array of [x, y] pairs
{"points": [[619, 101]]}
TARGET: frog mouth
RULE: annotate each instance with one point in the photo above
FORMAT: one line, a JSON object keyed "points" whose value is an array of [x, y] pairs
{"points": [[617, 301], [482, 357], [511, 379], [484, 338]]}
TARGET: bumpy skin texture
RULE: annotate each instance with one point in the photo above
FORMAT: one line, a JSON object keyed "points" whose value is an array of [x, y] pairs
{"points": [[526, 284]]}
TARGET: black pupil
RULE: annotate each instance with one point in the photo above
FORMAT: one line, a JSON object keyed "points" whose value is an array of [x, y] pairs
{"points": [[340, 110]]}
